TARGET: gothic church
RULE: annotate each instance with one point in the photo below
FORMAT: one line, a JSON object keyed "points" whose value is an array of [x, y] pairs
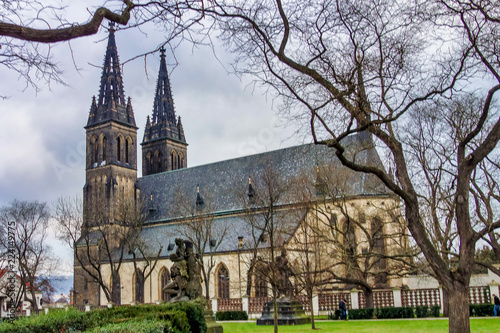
{"points": [[112, 180]]}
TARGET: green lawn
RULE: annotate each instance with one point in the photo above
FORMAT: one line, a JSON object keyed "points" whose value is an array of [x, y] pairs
{"points": [[488, 325]]}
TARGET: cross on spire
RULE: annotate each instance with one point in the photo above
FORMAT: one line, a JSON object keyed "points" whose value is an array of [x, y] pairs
{"points": [[111, 103]]}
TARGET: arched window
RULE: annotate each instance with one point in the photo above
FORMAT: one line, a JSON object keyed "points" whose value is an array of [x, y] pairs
{"points": [[104, 149], [158, 165], [139, 286], [95, 153], [181, 161], [380, 264], [172, 159], [149, 163], [223, 281], [127, 149], [119, 149], [260, 286], [350, 237], [164, 280]]}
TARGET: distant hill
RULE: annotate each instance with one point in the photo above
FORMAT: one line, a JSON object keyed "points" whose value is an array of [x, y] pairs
{"points": [[61, 284]]}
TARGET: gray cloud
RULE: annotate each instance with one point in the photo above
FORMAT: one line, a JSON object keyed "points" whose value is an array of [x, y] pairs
{"points": [[42, 137]]}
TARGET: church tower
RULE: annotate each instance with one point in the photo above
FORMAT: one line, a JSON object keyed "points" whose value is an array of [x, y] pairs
{"points": [[164, 146], [111, 167]]}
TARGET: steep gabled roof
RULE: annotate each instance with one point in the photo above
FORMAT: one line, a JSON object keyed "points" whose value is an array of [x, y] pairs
{"points": [[224, 181], [161, 235]]}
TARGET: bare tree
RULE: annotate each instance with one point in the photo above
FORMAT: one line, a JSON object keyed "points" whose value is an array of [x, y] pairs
{"points": [[271, 225], [32, 252], [200, 228], [345, 239], [25, 47], [344, 67], [101, 244]]}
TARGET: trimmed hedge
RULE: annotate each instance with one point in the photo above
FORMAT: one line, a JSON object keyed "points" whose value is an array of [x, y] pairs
{"points": [[334, 315], [366, 313], [177, 318], [392, 312], [54, 321], [140, 326], [231, 315], [422, 311], [389, 312], [481, 310], [435, 310]]}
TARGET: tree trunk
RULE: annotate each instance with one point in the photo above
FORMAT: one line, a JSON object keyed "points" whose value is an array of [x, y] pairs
{"points": [[368, 297], [459, 321], [249, 277], [310, 298], [446, 304], [206, 279], [275, 311], [116, 289]]}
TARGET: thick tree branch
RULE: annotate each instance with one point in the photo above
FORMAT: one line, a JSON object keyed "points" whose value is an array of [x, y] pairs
{"points": [[64, 34]]}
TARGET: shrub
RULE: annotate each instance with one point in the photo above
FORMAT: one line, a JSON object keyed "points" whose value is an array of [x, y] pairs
{"points": [[481, 310], [231, 315], [54, 321], [361, 313], [178, 318], [136, 326], [392, 312], [422, 311], [334, 315], [435, 310], [195, 315]]}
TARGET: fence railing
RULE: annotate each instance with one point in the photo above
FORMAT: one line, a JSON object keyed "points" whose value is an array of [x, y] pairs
{"points": [[355, 299], [419, 297], [229, 304]]}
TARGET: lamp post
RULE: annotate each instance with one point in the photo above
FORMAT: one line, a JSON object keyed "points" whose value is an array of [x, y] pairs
{"points": [[240, 246]]}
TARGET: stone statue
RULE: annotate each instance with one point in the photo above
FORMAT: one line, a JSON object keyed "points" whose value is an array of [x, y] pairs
{"points": [[185, 273], [284, 272]]}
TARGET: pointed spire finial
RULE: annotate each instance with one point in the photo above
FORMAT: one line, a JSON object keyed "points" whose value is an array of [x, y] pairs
{"points": [[164, 122], [251, 191], [200, 203], [111, 103]]}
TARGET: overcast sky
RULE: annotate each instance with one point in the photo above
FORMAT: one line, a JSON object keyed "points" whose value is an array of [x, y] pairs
{"points": [[42, 139]]}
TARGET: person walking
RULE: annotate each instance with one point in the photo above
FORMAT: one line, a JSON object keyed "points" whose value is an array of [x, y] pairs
{"points": [[343, 310], [496, 308]]}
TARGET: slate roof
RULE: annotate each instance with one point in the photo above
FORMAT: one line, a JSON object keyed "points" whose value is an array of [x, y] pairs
{"points": [[223, 182], [161, 235]]}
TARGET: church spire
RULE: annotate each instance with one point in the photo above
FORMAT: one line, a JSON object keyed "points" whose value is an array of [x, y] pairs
{"points": [[111, 103], [164, 123], [164, 147], [163, 108]]}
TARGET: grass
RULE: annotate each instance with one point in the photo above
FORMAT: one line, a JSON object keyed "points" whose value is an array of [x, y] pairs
{"points": [[367, 326]]}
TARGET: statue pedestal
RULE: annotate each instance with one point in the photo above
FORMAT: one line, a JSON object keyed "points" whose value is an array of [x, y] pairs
{"points": [[212, 325], [290, 312]]}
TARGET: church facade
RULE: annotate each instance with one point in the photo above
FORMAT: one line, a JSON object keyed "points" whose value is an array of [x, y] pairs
{"points": [[229, 200]]}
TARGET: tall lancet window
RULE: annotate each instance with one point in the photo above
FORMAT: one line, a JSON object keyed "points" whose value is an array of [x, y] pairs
{"points": [[127, 158], [104, 149], [119, 149], [223, 281]]}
